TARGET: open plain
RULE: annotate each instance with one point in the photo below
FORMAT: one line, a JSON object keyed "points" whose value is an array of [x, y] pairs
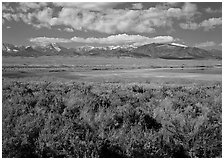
{"points": [[99, 69]]}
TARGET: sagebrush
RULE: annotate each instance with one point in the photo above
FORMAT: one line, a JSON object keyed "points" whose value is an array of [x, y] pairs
{"points": [[110, 120]]}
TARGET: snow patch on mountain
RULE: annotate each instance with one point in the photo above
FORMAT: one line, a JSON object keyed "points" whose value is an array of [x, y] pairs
{"points": [[179, 45], [56, 47]]}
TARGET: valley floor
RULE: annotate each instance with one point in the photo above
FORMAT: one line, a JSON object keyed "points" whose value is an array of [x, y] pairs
{"points": [[98, 69], [110, 107]]}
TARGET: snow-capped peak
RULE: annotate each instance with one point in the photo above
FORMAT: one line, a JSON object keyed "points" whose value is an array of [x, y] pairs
{"points": [[56, 47], [179, 45], [49, 46]]}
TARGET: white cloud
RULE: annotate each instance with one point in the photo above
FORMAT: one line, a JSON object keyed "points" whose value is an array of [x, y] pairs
{"points": [[137, 6], [7, 16], [113, 21], [120, 39], [172, 3], [206, 24], [45, 15], [205, 44], [211, 23], [26, 6], [46, 40], [189, 25], [105, 20], [7, 8], [68, 30], [96, 6], [189, 9], [37, 19]]}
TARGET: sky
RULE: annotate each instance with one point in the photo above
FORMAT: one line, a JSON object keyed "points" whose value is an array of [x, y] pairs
{"points": [[74, 24]]}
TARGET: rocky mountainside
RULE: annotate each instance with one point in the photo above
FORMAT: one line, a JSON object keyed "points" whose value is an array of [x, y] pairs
{"points": [[36, 50], [153, 50], [173, 51]]}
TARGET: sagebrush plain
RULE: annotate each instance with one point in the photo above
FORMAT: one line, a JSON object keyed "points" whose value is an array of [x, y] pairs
{"points": [[111, 107]]}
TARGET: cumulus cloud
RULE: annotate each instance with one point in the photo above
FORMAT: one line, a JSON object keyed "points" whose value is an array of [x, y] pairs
{"points": [[80, 16], [205, 44], [7, 16], [46, 40], [95, 6], [113, 21], [68, 30], [137, 6], [206, 24], [120, 39], [44, 16], [26, 6], [6, 8], [37, 19], [190, 10], [211, 23], [125, 39], [189, 25]]}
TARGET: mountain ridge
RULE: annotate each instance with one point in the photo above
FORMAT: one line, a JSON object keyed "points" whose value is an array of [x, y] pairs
{"points": [[152, 50]]}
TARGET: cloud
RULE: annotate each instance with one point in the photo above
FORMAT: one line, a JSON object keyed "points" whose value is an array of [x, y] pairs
{"points": [[189, 7], [190, 10], [113, 21], [211, 23], [6, 8], [190, 25], [172, 3], [206, 24], [205, 44], [68, 30], [209, 10], [137, 6], [26, 6], [95, 6], [80, 16], [47, 40], [37, 19], [124, 39], [7, 16], [44, 16], [120, 39]]}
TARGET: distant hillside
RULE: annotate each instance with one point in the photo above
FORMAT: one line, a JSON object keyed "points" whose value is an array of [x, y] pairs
{"points": [[153, 50], [37, 50], [171, 51], [216, 52]]}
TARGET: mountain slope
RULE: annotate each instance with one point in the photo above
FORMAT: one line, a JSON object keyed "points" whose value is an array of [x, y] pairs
{"points": [[153, 50], [170, 51], [37, 50]]}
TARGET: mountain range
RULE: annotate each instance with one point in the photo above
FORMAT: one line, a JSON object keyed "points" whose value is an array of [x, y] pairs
{"points": [[153, 50]]}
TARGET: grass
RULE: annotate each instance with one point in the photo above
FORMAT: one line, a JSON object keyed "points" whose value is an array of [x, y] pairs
{"points": [[102, 62], [111, 120]]}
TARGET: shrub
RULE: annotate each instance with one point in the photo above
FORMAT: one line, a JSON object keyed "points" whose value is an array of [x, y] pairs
{"points": [[110, 120]]}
